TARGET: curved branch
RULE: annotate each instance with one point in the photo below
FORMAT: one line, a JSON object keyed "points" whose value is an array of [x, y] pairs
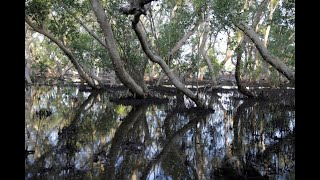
{"points": [[69, 54], [118, 65], [157, 59], [266, 55]]}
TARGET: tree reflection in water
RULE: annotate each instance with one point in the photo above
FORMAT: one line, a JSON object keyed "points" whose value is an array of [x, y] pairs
{"points": [[87, 136]]}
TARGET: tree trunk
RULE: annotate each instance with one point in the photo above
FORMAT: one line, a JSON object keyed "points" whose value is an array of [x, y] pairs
{"points": [[28, 72], [69, 54], [110, 42], [154, 58], [255, 25], [205, 56], [241, 88], [230, 52], [258, 14], [265, 70], [179, 44], [266, 55]]}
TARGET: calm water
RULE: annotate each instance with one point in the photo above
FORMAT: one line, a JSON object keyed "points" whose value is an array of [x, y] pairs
{"points": [[82, 135]]}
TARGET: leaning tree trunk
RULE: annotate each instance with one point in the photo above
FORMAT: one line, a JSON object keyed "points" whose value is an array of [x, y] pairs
{"points": [[110, 42], [137, 11], [69, 54], [266, 55], [157, 59]]}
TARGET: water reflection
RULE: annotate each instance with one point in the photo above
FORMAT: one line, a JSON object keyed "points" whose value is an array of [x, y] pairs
{"points": [[72, 134]]}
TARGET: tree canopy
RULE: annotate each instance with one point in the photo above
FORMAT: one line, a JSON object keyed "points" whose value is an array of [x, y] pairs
{"points": [[143, 39]]}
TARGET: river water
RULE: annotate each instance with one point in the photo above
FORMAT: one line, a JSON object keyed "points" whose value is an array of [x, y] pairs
{"points": [[71, 134]]}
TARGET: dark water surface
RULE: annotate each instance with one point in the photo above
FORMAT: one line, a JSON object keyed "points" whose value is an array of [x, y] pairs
{"points": [[71, 134]]}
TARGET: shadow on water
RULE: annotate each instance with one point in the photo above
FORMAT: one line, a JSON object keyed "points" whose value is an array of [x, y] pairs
{"points": [[71, 134]]}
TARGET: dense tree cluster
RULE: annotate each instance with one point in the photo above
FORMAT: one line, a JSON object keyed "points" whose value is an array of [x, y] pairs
{"points": [[151, 39]]}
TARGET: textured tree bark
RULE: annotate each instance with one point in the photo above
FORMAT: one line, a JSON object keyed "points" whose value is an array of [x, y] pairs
{"points": [[110, 42], [69, 54], [163, 75], [266, 55]]}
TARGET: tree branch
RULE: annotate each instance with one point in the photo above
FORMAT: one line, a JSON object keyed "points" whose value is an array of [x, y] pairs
{"points": [[258, 14], [157, 59], [65, 50], [266, 55], [184, 38], [206, 58], [118, 65], [241, 88], [85, 27], [179, 44]]}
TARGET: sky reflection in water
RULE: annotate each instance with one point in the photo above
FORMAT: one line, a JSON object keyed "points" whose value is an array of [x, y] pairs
{"points": [[88, 136]]}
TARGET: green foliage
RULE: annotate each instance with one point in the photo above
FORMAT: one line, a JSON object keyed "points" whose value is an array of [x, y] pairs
{"points": [[282, 33], [214, 61], [128, 45], [38, 10], [41, 66], [228, 11], [173, 31], [173, 19], [200, 6]]}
